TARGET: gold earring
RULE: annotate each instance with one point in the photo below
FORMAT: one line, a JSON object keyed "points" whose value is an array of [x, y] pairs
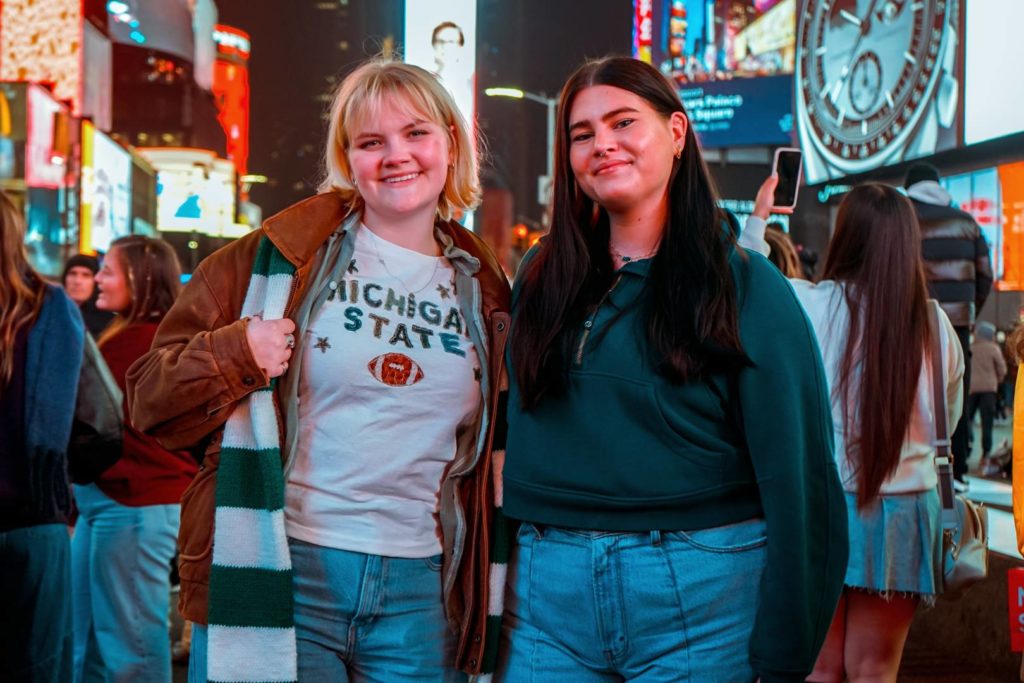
{"points": [[679, 152]]}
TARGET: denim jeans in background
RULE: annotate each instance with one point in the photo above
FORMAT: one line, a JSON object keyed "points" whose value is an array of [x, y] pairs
{"points": [[120, 567], [362, 619], [35, 590], [652, 607]]}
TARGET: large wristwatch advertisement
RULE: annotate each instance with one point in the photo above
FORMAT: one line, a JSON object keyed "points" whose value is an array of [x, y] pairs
{"points": [[876, 83]]}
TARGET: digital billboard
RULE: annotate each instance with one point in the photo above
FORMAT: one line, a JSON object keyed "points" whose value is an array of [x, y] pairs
{"points": [[731, 60], [195, 190], [993, 102], [106, 191], [231, 91], [41, 42], [440, 36], [995, 198], [45, 164], [877, 84]]}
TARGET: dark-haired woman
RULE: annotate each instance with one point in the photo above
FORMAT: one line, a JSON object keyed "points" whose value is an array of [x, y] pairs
{"points": [[125, 535], [41, 339], [669, 447], [870, 315]]}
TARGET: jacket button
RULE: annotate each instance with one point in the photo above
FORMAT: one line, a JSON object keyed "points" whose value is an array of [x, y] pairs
{"points": [[476, 639], [501, 327], [472, 662], [248, 380]]}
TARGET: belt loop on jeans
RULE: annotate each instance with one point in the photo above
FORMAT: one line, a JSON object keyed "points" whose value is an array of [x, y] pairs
{"points": [[655, 537]]}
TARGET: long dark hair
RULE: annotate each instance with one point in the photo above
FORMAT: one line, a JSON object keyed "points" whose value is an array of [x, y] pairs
{"points": [[689, 303], [22, 290], [876, 252], [154, 279]]}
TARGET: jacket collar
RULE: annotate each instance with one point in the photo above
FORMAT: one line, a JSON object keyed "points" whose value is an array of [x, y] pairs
{"points": [[299, 231]]}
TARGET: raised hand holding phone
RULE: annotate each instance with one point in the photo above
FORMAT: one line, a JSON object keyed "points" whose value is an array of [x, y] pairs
{"points": [[787, 169]]}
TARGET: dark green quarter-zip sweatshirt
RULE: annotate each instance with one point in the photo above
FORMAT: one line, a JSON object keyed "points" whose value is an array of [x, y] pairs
{"points": [[625, 449]]}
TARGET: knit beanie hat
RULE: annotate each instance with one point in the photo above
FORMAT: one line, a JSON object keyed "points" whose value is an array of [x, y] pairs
{"points": [[921, 172], [83, 260], [986, 331]]}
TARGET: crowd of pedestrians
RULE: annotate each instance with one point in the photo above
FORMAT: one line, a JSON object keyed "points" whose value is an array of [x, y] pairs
{"points": [[656, 456]]}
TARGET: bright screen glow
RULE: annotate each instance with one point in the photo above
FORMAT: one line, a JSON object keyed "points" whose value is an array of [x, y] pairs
{"points": [[106, 190], [41, 42], [994, 98]]}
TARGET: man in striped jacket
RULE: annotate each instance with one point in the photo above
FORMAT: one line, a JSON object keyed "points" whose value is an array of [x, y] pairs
{"points": [[959, 271]]}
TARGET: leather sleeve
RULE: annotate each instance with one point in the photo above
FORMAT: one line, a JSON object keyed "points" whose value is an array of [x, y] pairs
{"points": [[200, 364]]}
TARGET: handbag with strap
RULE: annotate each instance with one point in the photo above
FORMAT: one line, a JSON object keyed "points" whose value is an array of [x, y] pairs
{"points": [[964, 523], [97, 432]]}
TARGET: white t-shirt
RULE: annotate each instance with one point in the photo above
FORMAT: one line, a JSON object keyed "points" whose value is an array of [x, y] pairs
{"points": [[388, 375]]}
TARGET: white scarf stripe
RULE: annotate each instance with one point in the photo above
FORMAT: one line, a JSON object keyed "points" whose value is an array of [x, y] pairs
{"points": [[252, 654], [279, 287], [253, 425], [254, 539], [255, 295], [496, 585]]}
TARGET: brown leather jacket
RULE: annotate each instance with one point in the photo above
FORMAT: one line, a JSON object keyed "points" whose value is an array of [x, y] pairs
{"points": [[183, 391]]}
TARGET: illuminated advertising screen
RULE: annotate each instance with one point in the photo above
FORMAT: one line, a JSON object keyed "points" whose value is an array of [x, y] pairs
{"points": [[731, 60], [195, 190], [877, 84], [41, 42], [995, 198], [440, 36], [165, 26], [106, 191], [231, 92], [45, 166], [993, 102]]}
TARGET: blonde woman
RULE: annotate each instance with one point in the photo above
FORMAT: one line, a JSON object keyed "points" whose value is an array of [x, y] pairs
{"points": [[340, 368]]}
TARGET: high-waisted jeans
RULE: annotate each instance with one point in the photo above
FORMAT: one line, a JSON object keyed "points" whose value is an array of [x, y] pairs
{"points": [[600, 607], [362, 619]]}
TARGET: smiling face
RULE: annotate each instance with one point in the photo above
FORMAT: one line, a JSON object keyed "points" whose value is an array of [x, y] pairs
{"points": [[112, 282], [399, 160], [621, 150]]}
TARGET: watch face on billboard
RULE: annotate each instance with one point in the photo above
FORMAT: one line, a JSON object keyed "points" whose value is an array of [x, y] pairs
{"points": [[732, 62], [877, 83]]}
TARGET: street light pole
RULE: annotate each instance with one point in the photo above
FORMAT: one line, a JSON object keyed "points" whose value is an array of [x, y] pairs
{"points": [[546, 185]]}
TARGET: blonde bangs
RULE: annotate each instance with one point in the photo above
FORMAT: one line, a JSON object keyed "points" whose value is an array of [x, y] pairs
{"points": [[379, 83]]}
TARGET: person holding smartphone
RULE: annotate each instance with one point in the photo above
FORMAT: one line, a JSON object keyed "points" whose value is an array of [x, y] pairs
{"points": [[869, 313], [679, 519]]}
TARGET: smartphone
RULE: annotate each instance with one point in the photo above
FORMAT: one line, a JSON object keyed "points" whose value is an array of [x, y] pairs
{"points": [[788, 166]]}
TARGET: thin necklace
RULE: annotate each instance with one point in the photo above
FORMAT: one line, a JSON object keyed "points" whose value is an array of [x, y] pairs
{"points": [[408, 289], [626, 258]]}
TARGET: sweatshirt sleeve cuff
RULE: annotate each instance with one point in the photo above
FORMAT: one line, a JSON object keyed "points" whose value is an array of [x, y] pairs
{"points": [[752, 236]]}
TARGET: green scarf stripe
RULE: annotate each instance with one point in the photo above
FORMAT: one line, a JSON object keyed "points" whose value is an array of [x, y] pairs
{"points": [[492, 636], [501, 548], [251, 597], [277, 264], [263, 252], [245, 479]]}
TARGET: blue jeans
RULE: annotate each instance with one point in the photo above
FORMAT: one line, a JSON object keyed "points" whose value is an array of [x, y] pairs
{"points": [[597, 607], [361, 619], [35, 589], [120, 565]]}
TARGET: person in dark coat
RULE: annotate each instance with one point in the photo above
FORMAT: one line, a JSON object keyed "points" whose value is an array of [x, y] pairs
{"points": [[959, 271]]}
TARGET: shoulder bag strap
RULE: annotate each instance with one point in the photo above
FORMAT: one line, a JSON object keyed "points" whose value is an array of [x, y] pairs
{"points": [[943, 456]]}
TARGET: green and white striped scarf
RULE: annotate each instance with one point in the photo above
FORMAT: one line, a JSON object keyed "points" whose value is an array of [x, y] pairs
{"points": [[251, 634]]}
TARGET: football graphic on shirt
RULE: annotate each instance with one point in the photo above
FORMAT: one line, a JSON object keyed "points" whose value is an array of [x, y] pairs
{"points": [[395, 370]]}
